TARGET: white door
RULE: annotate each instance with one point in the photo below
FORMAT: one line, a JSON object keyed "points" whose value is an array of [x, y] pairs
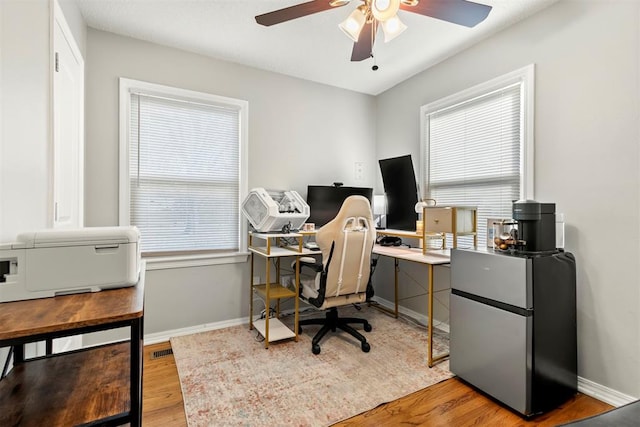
{"points": [[68, 141], [68, 128]]}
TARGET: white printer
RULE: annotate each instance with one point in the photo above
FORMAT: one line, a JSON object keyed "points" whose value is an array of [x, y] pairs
{"points": [[53, 262]]}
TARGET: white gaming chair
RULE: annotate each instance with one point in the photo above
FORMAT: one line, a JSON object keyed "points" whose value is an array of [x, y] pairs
{"points": [[342, 278]]}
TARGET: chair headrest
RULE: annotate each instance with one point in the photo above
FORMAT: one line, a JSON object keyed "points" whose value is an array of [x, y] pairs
{"points": [[354, 206]]}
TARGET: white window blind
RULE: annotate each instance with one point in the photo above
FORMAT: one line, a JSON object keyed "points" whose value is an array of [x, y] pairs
{"points": [[184, 172], [474, 152]]}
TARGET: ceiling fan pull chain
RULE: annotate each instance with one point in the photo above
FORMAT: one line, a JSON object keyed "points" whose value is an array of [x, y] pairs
{"points": [[373, 32]]}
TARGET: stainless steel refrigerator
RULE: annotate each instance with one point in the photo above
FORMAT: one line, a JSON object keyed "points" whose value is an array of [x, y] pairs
{"points": [[513, 326]]}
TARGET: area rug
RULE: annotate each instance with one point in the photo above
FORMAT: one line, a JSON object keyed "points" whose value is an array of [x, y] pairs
{"points": [[228, 378]]}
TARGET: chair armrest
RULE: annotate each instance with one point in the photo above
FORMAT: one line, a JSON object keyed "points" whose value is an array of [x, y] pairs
{"points": [[308, 262]]}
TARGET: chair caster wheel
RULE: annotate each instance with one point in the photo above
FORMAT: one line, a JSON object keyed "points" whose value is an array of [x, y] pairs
{"points": [[367, 327], [366, 347], [315, 349]]}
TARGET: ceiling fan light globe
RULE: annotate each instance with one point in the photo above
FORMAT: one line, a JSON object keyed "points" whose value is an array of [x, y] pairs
{"points": [[384, 9], [392, 28], [352, 26]]}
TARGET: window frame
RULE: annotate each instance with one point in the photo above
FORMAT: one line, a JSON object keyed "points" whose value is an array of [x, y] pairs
{"points": [[126, 88], [525, 76]]}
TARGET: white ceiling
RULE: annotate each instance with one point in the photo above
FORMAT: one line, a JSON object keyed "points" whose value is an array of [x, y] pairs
{"points": [[311, 47]]}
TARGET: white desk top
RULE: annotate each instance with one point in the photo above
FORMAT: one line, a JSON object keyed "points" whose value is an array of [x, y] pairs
{"points": [[433, 256]]}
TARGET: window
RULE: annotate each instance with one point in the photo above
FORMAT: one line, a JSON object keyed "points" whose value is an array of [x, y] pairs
{"points": [[478, 147], [182, 171]]}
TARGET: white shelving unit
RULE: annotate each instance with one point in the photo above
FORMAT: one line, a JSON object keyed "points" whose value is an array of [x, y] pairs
{"points": [[274, 246]]}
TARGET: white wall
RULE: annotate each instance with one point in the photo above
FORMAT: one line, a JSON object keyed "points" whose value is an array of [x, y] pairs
{"points": [[300, 133], [586, 156], [24, 116]]}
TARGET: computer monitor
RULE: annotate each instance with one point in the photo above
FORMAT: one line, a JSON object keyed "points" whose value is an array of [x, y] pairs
{"points": [[325, 201], [400, 187]]}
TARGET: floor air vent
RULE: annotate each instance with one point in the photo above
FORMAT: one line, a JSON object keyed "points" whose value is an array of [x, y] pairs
{"points": [[162, 353]]}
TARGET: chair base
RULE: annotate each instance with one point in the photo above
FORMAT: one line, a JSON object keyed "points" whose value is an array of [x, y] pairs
{"points": [[331, 323]]}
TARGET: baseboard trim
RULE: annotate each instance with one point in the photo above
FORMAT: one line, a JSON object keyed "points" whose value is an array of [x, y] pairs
{"points": [[604, 394], [163, 336], [419, 317]]}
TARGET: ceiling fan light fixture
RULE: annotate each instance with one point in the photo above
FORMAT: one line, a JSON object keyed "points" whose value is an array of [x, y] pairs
{"points": [[384, 9], [392, 28], [354, 24]]}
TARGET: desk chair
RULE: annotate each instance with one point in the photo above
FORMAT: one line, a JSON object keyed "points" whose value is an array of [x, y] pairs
{"points": [[342, 278]]}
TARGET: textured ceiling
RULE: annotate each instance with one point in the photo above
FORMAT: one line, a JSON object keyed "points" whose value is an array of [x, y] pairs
{"points": [[311, 48]]}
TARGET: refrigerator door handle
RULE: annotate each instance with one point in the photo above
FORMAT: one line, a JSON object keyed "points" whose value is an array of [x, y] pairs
{"points": [[493, 303]]}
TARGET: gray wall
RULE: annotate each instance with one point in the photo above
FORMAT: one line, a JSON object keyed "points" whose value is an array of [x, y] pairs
{"points": [[300, 133], [587, 160]]}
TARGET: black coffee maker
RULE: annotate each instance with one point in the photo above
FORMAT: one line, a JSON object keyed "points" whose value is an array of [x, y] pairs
{"points": [[536, 225]]}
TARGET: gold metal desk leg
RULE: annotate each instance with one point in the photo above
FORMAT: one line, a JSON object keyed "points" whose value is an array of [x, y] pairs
{"points": [[296, 299], [267, 304], [251, 294], [430, 359], [396, 270], [278, 283], [395, 282], [430, 325]]}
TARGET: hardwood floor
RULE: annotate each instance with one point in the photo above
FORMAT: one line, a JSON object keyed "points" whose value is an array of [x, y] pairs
{"points": [[161, 395], [449, 403]]}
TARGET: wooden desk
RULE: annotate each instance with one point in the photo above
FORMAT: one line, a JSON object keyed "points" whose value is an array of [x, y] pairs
{"points": [[93, 386], [430, 258]]}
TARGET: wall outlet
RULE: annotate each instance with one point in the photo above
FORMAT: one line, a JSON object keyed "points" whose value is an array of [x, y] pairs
{"points": [[358, 171], [287, 280]]}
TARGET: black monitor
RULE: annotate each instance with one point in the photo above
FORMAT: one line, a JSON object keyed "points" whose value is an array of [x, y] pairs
{"points": [[400, 187], [325, 201]]}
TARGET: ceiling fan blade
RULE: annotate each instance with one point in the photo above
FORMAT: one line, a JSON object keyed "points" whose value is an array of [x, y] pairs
{"points": [[293, 12], [363, 47], [460, 12]]}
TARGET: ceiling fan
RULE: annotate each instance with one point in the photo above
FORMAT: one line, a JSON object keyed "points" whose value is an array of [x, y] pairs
{"points": [[363, 23]]}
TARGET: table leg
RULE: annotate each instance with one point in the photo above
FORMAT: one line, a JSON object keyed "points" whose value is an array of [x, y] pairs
{"points": [[296, 299], [430, 359], [267, 304], [430, 314], [251, 293], [396, 264], [396, 271], [136, 372], [278, 283]]}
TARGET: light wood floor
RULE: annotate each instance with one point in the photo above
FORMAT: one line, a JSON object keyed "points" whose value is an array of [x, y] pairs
{"points": [[449, 403]]}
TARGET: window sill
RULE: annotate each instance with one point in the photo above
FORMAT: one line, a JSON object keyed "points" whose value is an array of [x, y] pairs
{"points": [[185, 261]]}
